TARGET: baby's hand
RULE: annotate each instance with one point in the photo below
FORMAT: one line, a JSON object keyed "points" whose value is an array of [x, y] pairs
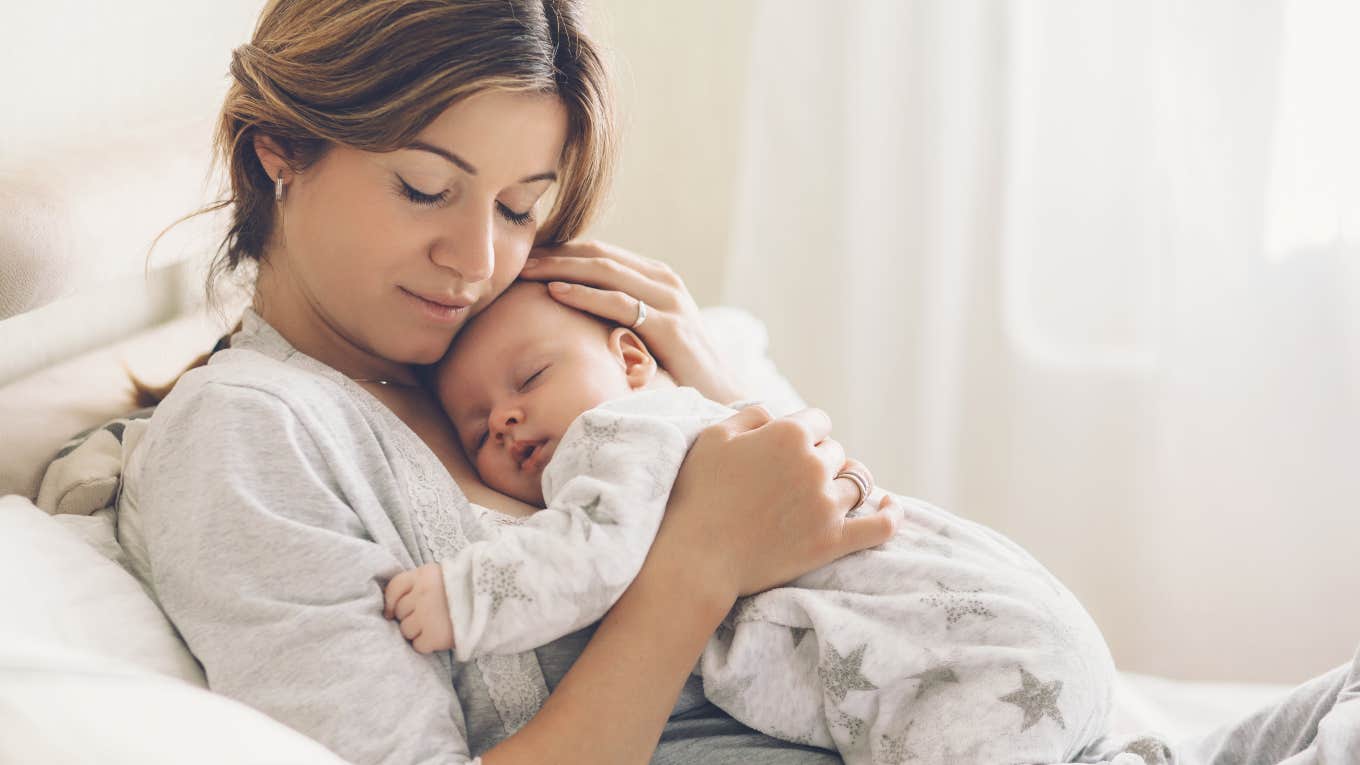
{"points": [[416, 599]]}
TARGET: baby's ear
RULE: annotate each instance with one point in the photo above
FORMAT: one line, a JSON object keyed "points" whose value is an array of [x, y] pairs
{"points": [[638, 365]]}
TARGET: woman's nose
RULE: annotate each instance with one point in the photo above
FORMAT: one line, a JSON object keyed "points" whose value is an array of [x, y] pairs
{"points": [[468, 246]]}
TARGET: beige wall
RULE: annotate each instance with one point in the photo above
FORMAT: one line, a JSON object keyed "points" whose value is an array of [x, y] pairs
{"points": [[681, 73]]}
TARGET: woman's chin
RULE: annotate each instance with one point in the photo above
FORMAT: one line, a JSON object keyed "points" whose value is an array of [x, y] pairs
{"points": [[421, 348]]}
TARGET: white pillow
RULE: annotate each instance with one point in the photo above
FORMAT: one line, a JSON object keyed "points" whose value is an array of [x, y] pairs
{"points": [[64, 708], [41, 412], [743, 344], [60, 590]]}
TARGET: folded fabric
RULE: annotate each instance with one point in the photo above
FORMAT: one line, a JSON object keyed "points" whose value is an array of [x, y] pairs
{"points": [[85, 474]]}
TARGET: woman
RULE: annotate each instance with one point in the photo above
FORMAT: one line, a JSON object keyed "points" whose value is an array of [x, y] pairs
{"points": [[391, 163]]}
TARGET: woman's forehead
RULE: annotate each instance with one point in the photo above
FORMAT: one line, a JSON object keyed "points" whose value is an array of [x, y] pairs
{"points": [[509, 137]]}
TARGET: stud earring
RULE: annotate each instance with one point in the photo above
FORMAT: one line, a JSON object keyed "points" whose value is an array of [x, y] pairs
{"points": [[278, 188]]}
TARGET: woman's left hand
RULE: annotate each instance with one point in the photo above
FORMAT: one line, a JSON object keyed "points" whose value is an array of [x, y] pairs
{"points": [[609, 281]]}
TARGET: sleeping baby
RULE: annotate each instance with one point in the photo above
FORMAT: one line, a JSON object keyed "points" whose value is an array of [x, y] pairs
{"points": [[949, 643]]}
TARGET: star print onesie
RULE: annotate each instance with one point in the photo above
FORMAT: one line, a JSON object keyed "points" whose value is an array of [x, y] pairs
{"points": [[949, 643]]}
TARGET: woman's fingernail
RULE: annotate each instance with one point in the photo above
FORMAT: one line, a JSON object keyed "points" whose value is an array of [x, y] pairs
{"points": [[559, 287]]}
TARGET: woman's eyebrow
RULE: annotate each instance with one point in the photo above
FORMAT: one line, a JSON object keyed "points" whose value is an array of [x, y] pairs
{"points": [[467, 167]]}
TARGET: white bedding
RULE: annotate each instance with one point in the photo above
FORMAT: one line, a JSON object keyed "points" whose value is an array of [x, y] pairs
{"points": [[92, 666], [90, 669]]}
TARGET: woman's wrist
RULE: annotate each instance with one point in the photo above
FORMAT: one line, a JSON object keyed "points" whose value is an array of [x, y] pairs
{"points": [[705, 587], [709, 375], [614, 702]]}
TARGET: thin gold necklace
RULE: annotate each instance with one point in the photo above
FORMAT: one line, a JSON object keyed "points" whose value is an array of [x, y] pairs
{"points": [[393, 383]]}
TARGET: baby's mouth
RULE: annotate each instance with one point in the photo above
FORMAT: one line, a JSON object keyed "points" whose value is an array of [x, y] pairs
{"points": [[524, 451]]}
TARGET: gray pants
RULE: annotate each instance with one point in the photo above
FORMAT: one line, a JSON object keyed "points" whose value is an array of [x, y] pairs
{"points": [[1318, 722]]}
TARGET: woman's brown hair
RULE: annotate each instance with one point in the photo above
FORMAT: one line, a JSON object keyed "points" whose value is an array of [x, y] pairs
{"points": [[371, 74]]}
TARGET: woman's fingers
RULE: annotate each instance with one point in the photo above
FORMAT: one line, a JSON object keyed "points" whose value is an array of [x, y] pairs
{"points": [[848, 492], [603, 274], [831, 454], [588, 249], [618, 307], [609, 281], [748, 418], [814, 422], [865, 531], [848, 496], [861, 468]]}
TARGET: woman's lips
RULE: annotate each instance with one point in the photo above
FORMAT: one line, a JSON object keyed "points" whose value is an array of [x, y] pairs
{"points": [[437, 308]]}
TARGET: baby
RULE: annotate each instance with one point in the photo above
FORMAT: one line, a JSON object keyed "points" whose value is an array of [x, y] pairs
{"points": [[948, 643]]}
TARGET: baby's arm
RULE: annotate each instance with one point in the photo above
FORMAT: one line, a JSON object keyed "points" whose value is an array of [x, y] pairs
{"points": [[563, 567]]}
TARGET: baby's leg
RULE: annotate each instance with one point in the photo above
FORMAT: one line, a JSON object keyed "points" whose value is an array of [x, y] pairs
{"points": [[944, 645]]}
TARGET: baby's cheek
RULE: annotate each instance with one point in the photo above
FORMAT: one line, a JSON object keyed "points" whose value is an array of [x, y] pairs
{"points": [[483, 465]]}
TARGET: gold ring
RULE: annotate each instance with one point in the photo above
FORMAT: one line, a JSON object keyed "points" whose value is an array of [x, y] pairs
{"points": [[861, 483]]}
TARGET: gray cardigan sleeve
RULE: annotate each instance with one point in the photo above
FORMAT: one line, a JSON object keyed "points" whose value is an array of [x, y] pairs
{"points": [[275, 582]]}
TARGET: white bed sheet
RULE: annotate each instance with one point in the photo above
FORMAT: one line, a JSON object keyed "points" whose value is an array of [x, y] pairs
{"points": [[1180, 709]]}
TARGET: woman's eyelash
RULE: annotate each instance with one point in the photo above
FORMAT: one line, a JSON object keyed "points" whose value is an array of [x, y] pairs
{"points": [[433, 200], [517, 219], [428, 200]]}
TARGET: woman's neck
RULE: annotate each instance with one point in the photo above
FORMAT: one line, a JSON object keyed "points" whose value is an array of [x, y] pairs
{"points": [[294, 315]]}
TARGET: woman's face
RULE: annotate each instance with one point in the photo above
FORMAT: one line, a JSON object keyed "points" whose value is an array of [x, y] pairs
{"points": [[393, 252]]}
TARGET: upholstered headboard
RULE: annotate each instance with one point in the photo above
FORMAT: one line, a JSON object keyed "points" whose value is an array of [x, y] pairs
{"points": [[105, 138]]}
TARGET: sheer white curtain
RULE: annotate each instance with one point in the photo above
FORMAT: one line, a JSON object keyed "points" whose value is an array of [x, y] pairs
{"points": [[1090, 274]]}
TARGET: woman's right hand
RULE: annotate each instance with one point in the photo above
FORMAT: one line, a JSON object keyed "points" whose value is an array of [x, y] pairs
{"points": [[756, 505]]}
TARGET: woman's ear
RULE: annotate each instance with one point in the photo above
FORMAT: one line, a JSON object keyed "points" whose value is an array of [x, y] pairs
{"points": [[273, 158], [638, 365]]}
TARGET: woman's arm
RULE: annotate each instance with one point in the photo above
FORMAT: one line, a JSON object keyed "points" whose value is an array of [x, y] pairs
{"points": [[611, 706]]}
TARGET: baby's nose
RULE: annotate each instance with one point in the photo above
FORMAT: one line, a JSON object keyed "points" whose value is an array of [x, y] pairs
{"points": [[502, 420]]}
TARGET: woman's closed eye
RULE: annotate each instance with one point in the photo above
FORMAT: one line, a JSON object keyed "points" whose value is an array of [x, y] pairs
{"points": [[434, 200], [420, 197]]}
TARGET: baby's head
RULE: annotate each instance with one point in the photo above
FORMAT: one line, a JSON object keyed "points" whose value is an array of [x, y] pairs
{"points": [[521, 371]]}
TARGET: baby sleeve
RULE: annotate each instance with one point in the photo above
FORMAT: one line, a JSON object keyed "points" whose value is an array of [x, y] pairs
{"points": [[565, 566], [275, 582]]}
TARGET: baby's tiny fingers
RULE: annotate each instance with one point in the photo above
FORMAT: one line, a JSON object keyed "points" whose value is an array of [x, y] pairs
{"points": [[399, 586], [410, 628]]}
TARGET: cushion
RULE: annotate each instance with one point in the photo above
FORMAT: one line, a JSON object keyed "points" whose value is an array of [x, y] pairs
{"points": [[743, 343], [62, 590], [85, 474], [64, 707], [41, 412]]}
